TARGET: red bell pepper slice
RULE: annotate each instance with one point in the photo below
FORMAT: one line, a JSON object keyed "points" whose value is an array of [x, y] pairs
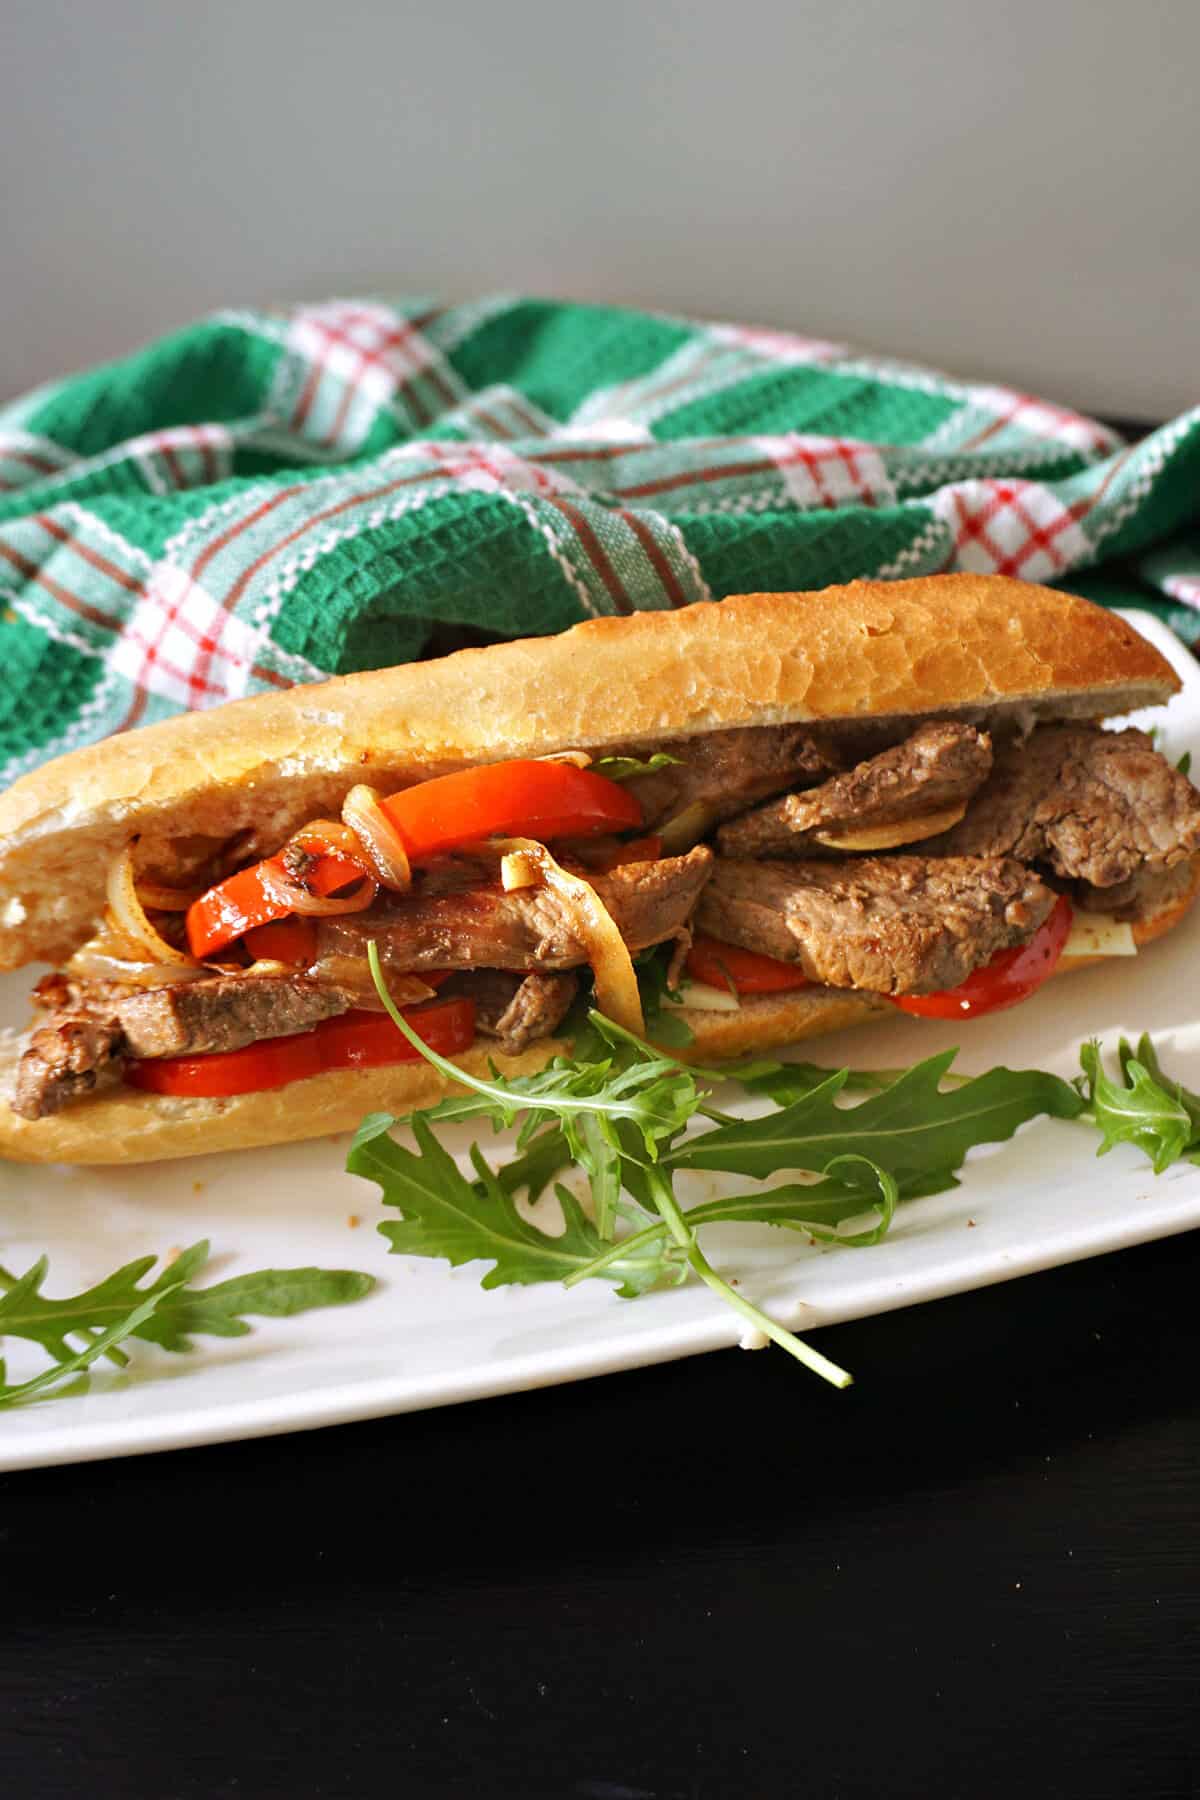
{"points": [[244, 902], [355, 1040], [1010, 977], [739, 971], [521, 798]]}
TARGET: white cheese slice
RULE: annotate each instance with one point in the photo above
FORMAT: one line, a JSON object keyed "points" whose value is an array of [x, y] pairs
{"points": [[1097, 934], [701, 998]]}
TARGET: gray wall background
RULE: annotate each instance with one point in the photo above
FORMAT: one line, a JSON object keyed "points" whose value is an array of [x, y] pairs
{"points": [[1008, 190]]}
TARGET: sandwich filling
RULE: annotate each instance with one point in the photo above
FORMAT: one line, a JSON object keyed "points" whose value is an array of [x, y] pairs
{"points": [[937, 870]]}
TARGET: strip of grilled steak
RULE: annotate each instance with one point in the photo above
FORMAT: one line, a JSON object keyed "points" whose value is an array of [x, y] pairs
{"points": [[1148, 892], [894, 924], [94, 1025], [104, 1022], [726, 771], [199, 1018], [485, 928], [1095, 805], [66, 1058], [517, 1009], [69, 993], [940, 764]]}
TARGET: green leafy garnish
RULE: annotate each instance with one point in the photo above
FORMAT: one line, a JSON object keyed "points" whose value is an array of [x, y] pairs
{"points": [[638, 1103], [447, 1216], [622, 1111], [625, 768], [663, 1027], [170, 1311], [1185, 763], [55, 1381], [1144, 1108], [1147, 1055], [909, 1128]]}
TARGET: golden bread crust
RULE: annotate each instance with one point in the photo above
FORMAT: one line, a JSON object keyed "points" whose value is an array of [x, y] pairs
{"points": [[871, 650], [123, 1125]]}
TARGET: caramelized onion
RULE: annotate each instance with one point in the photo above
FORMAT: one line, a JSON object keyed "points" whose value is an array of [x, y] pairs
{"points": [[895, 832], [166, 899], [97, 961], [375, 833], [617, 993], [326, 837], [353, 975], [685, 830], [127, 915], [293, 896], [579, 759]]}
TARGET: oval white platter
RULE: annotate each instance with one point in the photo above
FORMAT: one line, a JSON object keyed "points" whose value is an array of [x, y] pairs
{"points": [[429, 1336]]}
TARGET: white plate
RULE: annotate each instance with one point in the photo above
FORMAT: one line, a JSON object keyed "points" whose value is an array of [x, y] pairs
{"points": [[429, 1336]]}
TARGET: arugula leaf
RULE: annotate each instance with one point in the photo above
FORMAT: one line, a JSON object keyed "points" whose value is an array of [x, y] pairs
{"points": [[622, 1114], [663, 1027], [798, 1206], [1147, 1055], [219, 1311], [657, 1095], [626, 768], [1139, 1110], [812, 1208], [633, 1100], [54, 1382], [169, 1311], [785, 1082], [446, 1216], [534, 1170], [908, 1128]]}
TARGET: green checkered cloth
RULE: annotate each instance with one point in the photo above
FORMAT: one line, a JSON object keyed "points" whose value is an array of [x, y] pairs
{"points": [[268, 497]]}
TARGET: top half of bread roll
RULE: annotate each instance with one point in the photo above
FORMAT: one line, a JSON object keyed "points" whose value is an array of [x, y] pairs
{"points": [[872, 653]]}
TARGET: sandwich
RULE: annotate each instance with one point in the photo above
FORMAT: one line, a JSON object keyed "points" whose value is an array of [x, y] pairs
{"points": [[779, 814]]}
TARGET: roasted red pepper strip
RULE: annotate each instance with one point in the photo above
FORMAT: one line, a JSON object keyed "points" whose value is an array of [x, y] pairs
{"points": [[240, 904], [635, 850], [1009, 978], [365, 1040], [723, 965], [522, 798], [289, 940], [530, 799]]}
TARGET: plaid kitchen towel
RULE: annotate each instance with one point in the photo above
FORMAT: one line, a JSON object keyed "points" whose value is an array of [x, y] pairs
{"points": [[268, 497]]}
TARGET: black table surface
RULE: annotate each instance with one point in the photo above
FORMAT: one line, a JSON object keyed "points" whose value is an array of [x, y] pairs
{"points": [[974, 1573]]}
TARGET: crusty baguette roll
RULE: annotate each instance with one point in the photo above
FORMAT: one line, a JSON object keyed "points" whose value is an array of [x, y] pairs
{"points": [[901, 650], [981, 647]]}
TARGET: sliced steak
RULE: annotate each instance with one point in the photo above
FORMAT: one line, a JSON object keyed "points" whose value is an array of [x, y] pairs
{"points": [[1145, 895], [894, 924], [104, 1022], [485, 928], [1097, 806], [66, 1059], [941, 764], [514, 1008], [74, 993], [197, 1018], [725, 771]]}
